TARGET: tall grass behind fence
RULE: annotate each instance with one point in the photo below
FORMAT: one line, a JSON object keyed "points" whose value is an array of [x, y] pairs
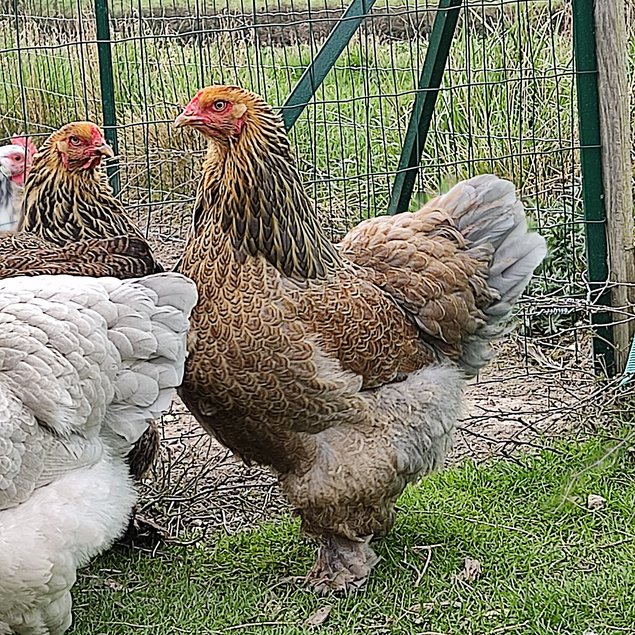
{"points": [[507, 103]]}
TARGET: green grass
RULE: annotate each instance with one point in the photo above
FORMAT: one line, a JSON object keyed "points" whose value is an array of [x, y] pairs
{"points": [[549, 566]]}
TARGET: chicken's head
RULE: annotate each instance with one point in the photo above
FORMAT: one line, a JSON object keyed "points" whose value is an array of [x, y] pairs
{"points": [[15, 159], [13, 162], [221, 112], [80, 146], [30, 150]]}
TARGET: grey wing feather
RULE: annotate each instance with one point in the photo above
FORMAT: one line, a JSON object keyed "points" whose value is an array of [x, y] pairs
{"points": [[489, 214], [21, 451], [85, 364], [155, 350]]}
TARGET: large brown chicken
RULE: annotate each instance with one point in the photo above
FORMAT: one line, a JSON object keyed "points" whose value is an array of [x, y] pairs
{"points": [[71, 223], [340, 367]]}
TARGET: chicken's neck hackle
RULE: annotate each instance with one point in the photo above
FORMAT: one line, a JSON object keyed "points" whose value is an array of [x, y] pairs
{"points": [[63, 206], [252, 188]]}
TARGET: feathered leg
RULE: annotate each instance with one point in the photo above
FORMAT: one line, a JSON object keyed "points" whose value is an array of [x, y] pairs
{"points": [[342, 565], [141, 531], [144, 452], [347, 493]]}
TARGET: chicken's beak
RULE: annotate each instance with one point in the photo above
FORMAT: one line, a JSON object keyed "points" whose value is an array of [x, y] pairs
{"points": [[183, 120], [5, 168], [104, 150], [190, 118]]}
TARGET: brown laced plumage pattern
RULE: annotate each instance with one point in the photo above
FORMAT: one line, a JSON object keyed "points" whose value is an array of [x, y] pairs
{"points": [[342, 368], [65, 205], [27, 255], [72, 224]]}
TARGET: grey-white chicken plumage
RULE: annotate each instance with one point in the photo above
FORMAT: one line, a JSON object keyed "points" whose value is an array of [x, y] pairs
{"points": [[10, 192], [85, 364]]}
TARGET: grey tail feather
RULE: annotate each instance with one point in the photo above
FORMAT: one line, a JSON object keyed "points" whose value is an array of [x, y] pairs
{"points": [[490, 216]]}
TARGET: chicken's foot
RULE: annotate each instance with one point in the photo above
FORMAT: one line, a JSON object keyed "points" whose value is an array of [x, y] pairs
{"points": [[342, 565], [141, 532]]}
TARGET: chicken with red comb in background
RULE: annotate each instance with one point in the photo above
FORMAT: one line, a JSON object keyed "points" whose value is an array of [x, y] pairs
{"points": [[15, 163], [73, 224]]}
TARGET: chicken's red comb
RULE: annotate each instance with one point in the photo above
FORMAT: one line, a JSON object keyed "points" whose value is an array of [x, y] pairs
{"points": [[27, 144]]}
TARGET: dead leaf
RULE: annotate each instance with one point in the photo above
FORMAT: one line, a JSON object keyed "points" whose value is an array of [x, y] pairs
{"points": [[319, 617], [113, 584], [472, 570], [594, 502]]}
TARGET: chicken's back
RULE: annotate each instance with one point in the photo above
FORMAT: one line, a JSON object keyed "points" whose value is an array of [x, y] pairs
{"points": [[26, 254], [456, 267]]}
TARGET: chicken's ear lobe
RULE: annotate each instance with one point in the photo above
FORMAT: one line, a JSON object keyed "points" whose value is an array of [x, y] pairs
{"points": [[239, 110]]}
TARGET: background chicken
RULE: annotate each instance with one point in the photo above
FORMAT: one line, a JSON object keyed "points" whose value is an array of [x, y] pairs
{"points": [[15, 162], [85, 364], [67, 197], [341, 368], [69, 209]]}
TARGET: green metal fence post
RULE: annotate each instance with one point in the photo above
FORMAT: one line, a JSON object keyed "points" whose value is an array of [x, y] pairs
{"points": [[318, 69], [107, 85], [584, 44], [431, 75]]}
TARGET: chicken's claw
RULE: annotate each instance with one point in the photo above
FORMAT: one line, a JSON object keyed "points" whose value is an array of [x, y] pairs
{"points": [[342, 565]]}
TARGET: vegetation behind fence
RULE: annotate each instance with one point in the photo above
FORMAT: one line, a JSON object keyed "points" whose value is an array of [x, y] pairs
{"points": [[507, 105]]}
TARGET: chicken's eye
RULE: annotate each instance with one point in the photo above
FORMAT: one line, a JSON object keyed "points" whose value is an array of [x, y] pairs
{"points": [[219, 105], [74, 141], [18, 158]]}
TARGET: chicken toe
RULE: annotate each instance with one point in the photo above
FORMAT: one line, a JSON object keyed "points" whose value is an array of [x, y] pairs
{"points": [[342, 565]]}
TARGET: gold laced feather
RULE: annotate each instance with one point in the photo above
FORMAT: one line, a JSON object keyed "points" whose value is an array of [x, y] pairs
{"points": [[261, 202]]}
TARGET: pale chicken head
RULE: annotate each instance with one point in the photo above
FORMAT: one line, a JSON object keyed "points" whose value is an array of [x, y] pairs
{"points": [[28, 149], [13, 163], [80, 146], [16, 158]]}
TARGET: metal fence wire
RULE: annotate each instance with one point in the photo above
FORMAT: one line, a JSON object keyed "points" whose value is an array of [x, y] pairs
{"points": [[507, 105]]}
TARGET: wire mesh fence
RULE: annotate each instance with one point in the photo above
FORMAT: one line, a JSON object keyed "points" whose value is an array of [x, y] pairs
{"points": [[507, 105]]}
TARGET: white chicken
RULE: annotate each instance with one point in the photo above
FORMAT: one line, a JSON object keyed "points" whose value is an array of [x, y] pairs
{"points": [[15, 163], [85, 365]]}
